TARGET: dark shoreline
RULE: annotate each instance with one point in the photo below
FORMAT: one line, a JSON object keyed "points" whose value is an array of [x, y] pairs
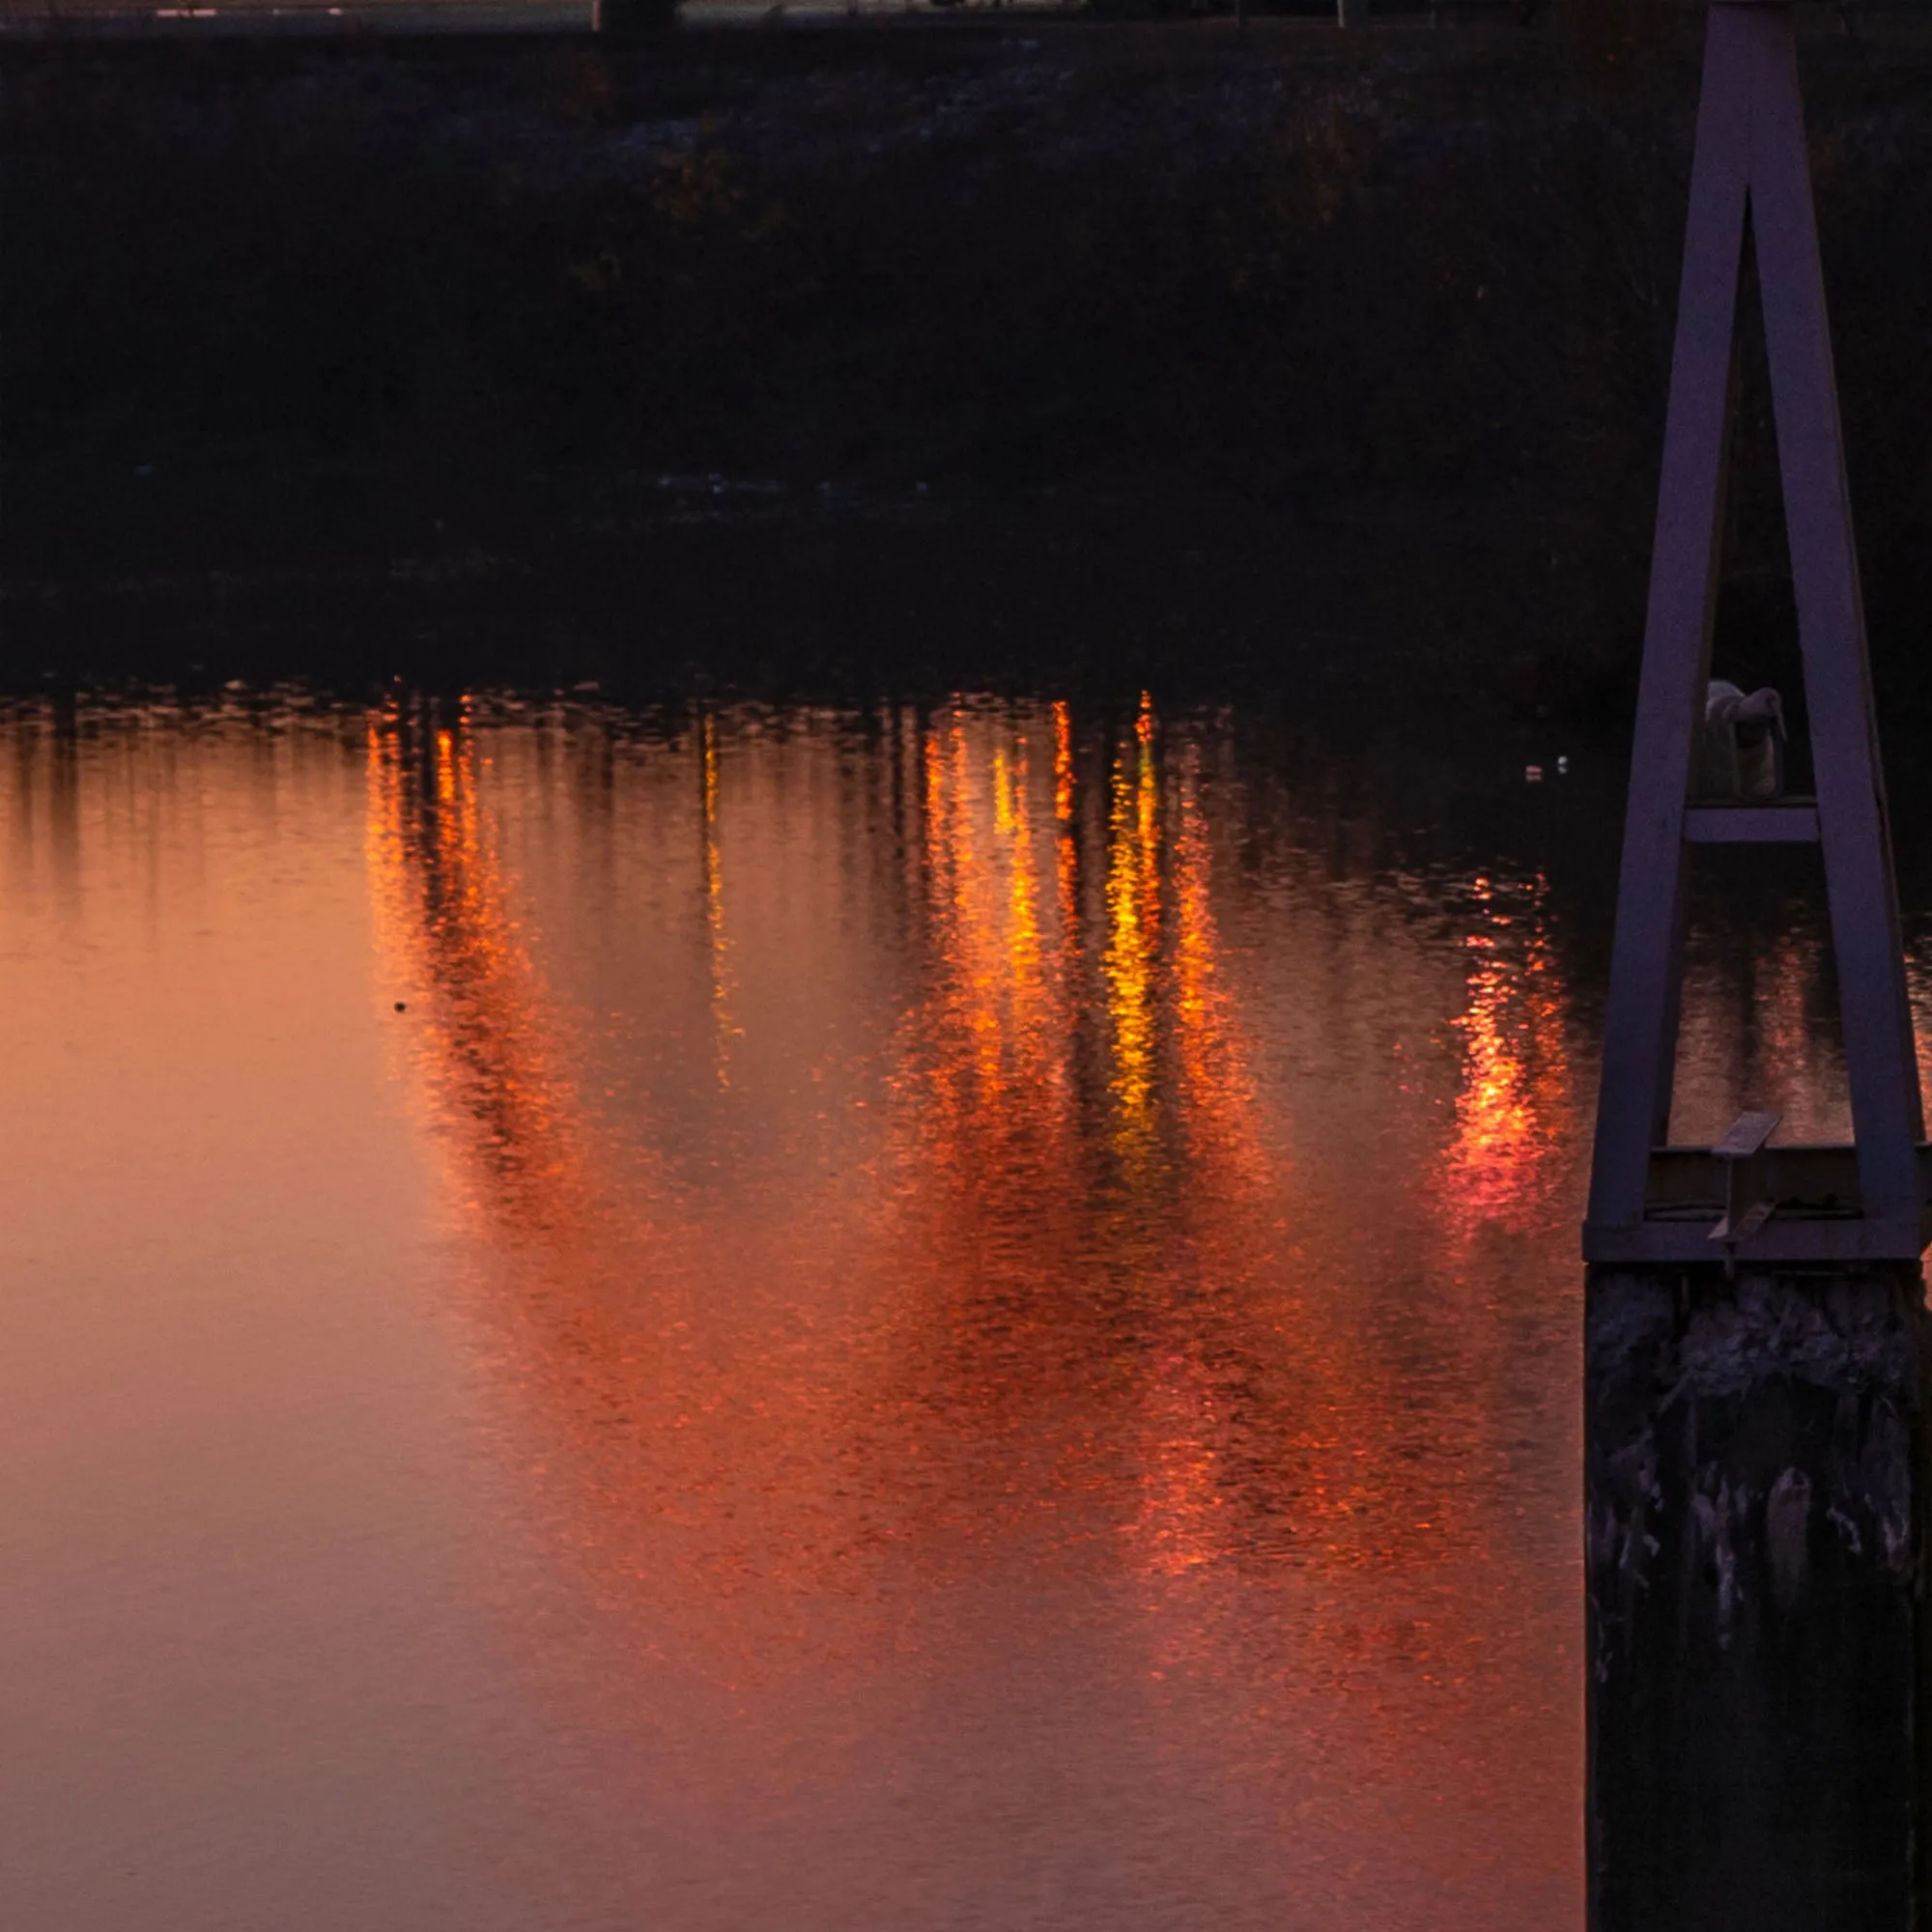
{"points": [[666, 586], [1294, 361]]}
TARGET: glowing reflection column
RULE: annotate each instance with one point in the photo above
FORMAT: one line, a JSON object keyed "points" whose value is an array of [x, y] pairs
{"points": [[718, 944], [1134, 929]]}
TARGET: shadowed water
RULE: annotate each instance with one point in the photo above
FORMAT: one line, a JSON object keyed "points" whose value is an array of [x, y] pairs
{"points": [[958, 1317]]}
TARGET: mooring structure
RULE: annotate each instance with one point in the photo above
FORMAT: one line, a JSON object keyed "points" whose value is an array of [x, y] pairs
{"points": [[1866, 1202], [1754, 1310]]}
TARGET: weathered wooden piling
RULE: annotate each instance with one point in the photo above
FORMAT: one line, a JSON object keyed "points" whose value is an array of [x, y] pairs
{"points": [[1756, 1494], [1755, 1320]]}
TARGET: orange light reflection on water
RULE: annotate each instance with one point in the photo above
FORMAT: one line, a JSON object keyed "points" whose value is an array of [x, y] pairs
{"points": [[442, 918], [930, 1295], [1514, 1112], [975, 1286], [1078, 1309], [716, 943]]}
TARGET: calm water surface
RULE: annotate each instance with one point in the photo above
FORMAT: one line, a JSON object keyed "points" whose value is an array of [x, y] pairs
{"points": [[947, 1318]]}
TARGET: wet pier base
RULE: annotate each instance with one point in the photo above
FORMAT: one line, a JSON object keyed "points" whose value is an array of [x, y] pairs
{"points": [[1756, 1455]]}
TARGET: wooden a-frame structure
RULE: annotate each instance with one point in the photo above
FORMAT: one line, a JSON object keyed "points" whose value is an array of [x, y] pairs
{"points": [[1746, 1199]]}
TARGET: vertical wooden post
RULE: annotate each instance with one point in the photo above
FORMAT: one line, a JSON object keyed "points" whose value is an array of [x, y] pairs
{"points": [[1879, 1054], [1754, 1456], [1640, 1018]]}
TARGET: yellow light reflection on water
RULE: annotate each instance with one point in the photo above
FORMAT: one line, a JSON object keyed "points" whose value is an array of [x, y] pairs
{"points": [[1133, 937], [716, 944]]}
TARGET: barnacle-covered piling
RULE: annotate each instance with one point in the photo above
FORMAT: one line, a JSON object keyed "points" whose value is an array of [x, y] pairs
{"points": [[1754, 1458]]}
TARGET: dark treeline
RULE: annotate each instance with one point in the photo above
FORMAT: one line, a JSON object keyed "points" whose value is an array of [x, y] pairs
{"points": [[1394, 308]]}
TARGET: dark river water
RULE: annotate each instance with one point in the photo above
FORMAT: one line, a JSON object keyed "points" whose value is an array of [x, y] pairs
{"points": [[941, 1318]]}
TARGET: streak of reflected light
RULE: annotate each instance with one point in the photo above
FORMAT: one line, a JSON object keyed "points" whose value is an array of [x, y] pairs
{"points": [[717, 941], [1513, 1111], [1756, 1034], [442, 921], [1919, 995], [1133, 937], [1063, 762]]}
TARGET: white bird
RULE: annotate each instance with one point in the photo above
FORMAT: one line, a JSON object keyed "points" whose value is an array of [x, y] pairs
{"points": [[1744, 743]]}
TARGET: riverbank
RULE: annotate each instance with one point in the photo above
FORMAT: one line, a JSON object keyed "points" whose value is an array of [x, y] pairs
{"points": [[803, 356]]}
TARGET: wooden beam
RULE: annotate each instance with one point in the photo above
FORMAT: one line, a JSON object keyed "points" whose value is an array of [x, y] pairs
{"points": [[1879, 1059], [1641, 1016]]}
